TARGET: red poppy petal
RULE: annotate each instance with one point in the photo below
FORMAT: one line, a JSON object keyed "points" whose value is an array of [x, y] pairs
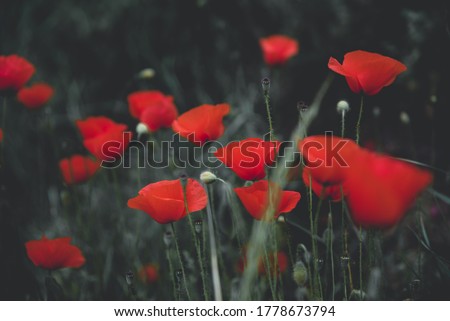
{"points": [[288, 202], [196, 196]]}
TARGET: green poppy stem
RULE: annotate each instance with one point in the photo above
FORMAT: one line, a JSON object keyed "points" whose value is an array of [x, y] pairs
{"points": [[213, 248], [181, 261], [358, 124]]}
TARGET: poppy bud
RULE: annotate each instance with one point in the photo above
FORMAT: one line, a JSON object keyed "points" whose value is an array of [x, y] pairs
{"points": [[198, 224], [281, 219], [146, 73], [433, 99], [207, 177], [404, 118], [300, 273], [141, 129], [303, 253], [342, 107], [265, 82]]}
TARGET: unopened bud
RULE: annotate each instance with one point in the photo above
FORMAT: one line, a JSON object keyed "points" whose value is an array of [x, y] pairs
{"points": [[300, 273], [207, 177], [281, 219], [404, 118], [342, 106], [142, 129], [147, 73], [265, 82]]}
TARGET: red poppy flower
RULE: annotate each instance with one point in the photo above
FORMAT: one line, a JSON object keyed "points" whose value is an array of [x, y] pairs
{"points": [[35, 96], [381, 189], [255, 199], [281, 264], [324, 190], [152, 108], [366, 71], [78, 169], [202, 123], [277, 49], [149, 273], [327, 160], [248, 158], [104, 138], [164, 200], [15, 71], [54, 254]]}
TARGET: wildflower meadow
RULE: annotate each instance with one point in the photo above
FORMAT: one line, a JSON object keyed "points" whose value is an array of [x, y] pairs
{"points": [[224, 150]]}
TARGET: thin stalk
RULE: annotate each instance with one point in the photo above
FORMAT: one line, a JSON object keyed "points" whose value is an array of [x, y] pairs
{"points": [[172, 273], [358, 124], [343, 124], [269, 114], [268, 271], [330, 227], [360, 261], [214, 260], [181, 261], [196, 243], [4, 129], [313, 241]]}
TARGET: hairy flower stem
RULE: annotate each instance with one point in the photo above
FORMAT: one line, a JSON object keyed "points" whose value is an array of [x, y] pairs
{"points": [[358, 124], [214, 259], [343, 124], [315, 256], [181, 261], [331, 236], [196, 243], [360, 261], [172, 273], [269, 114]]}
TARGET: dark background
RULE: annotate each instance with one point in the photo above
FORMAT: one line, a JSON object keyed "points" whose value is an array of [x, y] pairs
{"points": [[208, 52]]}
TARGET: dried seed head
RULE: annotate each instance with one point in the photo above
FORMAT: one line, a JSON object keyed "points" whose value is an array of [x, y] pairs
{"points": [[207, 177], [265, 82]]}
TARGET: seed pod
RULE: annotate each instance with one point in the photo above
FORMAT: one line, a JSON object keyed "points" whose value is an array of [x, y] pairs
{"points": [[300, 273]]}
